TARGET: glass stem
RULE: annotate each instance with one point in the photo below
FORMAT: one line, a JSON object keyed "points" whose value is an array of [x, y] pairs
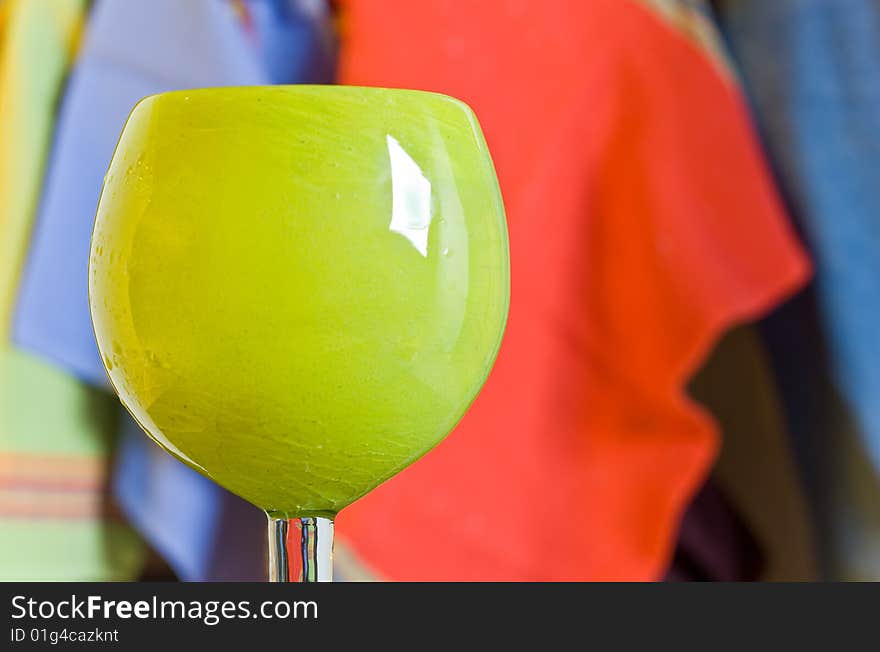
{"points": [[300, 549]]}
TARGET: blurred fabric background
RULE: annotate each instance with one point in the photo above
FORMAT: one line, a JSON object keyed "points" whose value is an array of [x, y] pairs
{"points": [[686, 387]]}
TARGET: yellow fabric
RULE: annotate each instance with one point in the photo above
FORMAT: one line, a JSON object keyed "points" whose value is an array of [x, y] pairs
{"points": [[37, 44]]}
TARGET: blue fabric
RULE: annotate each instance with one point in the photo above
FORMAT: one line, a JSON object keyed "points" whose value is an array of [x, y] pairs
{"points": [[812, 68], [812, 71], [134, 49], [201, 530], [294, 39]]}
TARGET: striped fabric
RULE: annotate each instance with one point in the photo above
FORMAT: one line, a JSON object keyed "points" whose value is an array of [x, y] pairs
{"points": [[55, 432]]}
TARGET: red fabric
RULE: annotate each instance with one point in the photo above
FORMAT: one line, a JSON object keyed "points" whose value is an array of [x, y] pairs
{"points": [[642, 223]]}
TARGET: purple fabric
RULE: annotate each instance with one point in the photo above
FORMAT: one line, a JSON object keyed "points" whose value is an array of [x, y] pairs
{"points": [[714, 544]]}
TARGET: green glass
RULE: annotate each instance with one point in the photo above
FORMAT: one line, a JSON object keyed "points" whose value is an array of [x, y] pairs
{"points": [[298, 291]]}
